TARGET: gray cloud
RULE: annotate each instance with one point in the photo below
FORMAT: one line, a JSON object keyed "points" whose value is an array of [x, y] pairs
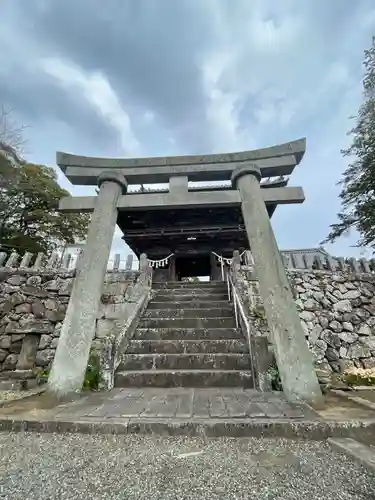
{"points": [[42, 98], [148, 50], [151, 77]]}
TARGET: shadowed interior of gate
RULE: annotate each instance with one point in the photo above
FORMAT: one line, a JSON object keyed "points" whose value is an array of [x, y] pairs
{"points": [[158, 233], [193, 266]]}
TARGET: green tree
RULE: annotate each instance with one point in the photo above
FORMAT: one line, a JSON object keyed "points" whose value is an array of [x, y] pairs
{"points": [[358, 182], [29, 216]]}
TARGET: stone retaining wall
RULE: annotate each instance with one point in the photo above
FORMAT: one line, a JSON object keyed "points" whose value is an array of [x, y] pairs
{"points": [[337, 311], [32, 308]]}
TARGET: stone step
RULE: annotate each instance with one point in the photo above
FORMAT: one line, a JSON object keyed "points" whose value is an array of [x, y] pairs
{"points": [[184, 378], [17, 374], [16, 385], [190, 291], [155, 322], [181, 334], [188, 297], [218, 312], [17, 380], [184, 362], [193, 303], [181, 284], [238, 346]]}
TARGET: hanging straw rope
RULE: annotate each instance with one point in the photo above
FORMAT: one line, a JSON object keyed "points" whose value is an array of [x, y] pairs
{"points": [[226, 260], [161, 262]]}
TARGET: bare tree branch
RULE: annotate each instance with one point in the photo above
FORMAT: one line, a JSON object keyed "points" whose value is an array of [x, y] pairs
{"points": [[12, 138]]}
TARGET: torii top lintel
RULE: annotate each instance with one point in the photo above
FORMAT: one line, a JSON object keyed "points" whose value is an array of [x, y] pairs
{"points": [[273, 161]]}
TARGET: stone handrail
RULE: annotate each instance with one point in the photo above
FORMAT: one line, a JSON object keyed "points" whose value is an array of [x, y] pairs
{"points": [[69, 262], [313, 261], [123, 330], [244, 305], [241, 317], [60, 262], [327, 263], [292, 260]]}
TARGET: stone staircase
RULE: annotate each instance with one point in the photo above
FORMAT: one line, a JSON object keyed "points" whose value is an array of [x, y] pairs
{"points": [[187, 337]]}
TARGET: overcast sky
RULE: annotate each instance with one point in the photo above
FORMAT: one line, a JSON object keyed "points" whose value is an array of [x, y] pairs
{"points": [[171, 77]]}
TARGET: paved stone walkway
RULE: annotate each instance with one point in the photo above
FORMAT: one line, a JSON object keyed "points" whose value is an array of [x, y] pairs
{"points": [[190, 412], [70, 467], [185, 404]]}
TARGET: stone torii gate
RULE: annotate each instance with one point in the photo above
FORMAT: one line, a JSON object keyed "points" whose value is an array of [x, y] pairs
{"points": [[245, 170]]}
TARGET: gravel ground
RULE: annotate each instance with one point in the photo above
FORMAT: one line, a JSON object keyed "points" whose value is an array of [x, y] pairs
{"points": [[51, 466]]}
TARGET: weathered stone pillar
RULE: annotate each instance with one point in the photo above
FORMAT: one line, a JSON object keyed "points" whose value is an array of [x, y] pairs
{"points": [[293, 357], [69, 365]]}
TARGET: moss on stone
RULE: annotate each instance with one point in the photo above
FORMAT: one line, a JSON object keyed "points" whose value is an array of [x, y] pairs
{"points": [[92, 376], [93, 372], [358, 379]]}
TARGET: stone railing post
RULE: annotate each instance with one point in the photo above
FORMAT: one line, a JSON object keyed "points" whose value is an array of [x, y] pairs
{"points": [[235, 265], [143, 262], [292, 353], [248, 258], [72, 353], [145, 270], [236, 259]]}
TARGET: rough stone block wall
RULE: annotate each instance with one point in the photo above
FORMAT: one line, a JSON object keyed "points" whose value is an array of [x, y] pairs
{"points": [[32, 308], [31, 304], [337, 311]]}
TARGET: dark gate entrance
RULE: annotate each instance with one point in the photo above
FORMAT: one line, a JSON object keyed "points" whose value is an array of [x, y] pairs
{"points": [[193, 266]]}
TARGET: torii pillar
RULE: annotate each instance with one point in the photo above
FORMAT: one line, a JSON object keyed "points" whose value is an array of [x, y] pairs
{"points": [[72, 353], [293, 357]]}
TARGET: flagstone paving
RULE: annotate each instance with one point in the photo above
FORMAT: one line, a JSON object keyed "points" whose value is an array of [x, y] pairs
{"points": [[181, 403], [190, 411]]}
